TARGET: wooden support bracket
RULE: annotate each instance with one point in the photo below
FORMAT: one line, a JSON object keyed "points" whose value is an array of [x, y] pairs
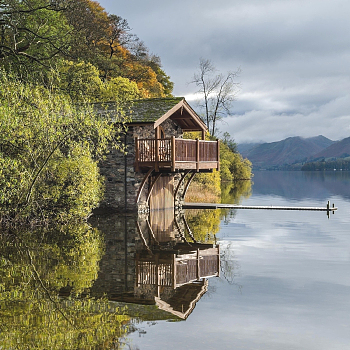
{"points": [[188, 183], [152, 186], [143, 184], [180, 183]]}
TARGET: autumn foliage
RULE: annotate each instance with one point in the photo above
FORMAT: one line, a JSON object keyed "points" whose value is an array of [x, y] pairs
{"points": [[41, 36]]}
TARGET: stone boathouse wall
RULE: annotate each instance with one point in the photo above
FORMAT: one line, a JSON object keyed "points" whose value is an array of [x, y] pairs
{"points": [[122, 182]]}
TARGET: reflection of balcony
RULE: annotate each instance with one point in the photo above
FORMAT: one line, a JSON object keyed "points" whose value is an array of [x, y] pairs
{"points": [[176, 154], [176, 281], [154, 260], [173, 270]]}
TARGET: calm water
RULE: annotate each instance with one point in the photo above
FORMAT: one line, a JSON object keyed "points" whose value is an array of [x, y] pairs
{"points": [[285, 282], [284, 276]]}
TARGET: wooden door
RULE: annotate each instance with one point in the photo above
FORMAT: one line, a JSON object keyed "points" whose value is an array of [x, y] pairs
{"points": [[162, 196]]}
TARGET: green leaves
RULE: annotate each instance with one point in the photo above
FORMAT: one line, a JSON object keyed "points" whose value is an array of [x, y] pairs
{"points": [[34, 32], [49, 150], [232, 165], [40, 35], [35, 267]]}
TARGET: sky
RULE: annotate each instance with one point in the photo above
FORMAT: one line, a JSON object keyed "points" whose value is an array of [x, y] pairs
{"points": [[294, 58]]}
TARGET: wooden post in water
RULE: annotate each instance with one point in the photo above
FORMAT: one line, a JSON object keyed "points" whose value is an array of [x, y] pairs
{"points": [[328, 209]]}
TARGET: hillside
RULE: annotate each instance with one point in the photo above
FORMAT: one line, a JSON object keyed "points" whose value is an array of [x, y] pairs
{"points": [[289, 151], [244, 148], [339, 149]]}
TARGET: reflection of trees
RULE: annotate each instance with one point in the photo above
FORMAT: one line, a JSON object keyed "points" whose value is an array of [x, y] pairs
{"points": [[228, 264], [234, 192], [36, 269], [205, 223]]}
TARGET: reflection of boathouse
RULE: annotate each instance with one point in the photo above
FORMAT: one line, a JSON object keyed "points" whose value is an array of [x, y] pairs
{"points": [[142, 266], [152, 174], [176, 280]]}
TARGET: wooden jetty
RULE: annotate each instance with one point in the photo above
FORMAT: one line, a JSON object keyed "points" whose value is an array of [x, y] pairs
{"points": [[327, 209]]}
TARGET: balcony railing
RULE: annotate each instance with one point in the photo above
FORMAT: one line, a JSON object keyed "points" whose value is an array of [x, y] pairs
{"points": [[176, 154], [175, 270]]}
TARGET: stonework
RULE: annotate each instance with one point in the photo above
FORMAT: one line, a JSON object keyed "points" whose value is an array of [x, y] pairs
{"points": [[117, 267], [122, 182]]}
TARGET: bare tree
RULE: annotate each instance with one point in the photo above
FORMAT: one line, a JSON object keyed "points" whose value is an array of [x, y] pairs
{"points": [[218, 91]]}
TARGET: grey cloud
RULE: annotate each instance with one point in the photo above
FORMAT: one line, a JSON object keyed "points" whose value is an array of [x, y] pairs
{"points": [[294, 57]]}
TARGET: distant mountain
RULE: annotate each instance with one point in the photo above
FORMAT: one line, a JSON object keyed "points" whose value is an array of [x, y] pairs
{"points": [[246, 147], [339, 149], [283, 153]]}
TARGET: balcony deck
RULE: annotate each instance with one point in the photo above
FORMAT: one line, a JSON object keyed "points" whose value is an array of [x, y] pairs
{"points": [[174, 154]]}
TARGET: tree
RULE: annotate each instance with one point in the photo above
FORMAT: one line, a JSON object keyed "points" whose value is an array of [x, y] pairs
{"points": [[37, 35], [37, 266], [81, 81], [218, 92], [229, 142], [49, 149], [32, 32]]}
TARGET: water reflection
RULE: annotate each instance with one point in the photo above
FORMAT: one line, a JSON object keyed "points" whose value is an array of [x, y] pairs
{"points": [[85, 285], [154, 260], [302, 184], [35, 264]]}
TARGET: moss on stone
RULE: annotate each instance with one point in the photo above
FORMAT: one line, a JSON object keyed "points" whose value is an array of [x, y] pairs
{"points": [[150, 110], [141, 111]]}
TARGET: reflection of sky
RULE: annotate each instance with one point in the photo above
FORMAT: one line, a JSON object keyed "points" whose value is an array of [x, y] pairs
{"points": [[291, 288], [300, 185]]}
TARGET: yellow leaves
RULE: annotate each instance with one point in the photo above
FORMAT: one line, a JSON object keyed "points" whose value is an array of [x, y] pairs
{"points": [[35, 317], [120, 90], [147, 82], [204, 224], [233, 166], [48, 147]]}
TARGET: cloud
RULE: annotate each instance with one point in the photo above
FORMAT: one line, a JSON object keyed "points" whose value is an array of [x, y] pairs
{"points": [[294, 57], [331, 120]]}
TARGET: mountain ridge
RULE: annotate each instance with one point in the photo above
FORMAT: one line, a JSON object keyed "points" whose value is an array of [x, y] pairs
{"points": [[292, 150]]}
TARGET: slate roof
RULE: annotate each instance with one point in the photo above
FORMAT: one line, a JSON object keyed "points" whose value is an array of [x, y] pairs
{"points": [[156, 110], [150, 110]]}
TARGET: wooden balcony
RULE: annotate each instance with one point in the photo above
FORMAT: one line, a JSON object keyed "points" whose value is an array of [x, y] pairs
{"points": [[174, 154], [174, 270]]}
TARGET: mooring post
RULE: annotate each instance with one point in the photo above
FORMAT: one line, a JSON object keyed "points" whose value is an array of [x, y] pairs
{"points": [[328, 209]]}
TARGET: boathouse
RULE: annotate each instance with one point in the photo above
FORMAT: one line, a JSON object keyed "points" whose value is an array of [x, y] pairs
{"points": [[152, 261], [159, 164]]}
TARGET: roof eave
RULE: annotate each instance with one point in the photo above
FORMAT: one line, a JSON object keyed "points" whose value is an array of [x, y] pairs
{"points": [[189, 110]]}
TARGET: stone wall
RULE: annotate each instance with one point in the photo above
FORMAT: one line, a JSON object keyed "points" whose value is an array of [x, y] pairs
{"points": [[122, 183], [117, 271]]}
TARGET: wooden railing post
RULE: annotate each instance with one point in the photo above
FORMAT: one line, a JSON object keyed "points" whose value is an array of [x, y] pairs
{"points": [[218, 154], [137, 154], [197, 154], [198, 265], [174, 271], [157, 155], [173, 153]]}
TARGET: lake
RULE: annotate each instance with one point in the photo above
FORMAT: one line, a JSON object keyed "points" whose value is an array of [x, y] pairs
{"points": [[229, 279], [287, 278]]}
